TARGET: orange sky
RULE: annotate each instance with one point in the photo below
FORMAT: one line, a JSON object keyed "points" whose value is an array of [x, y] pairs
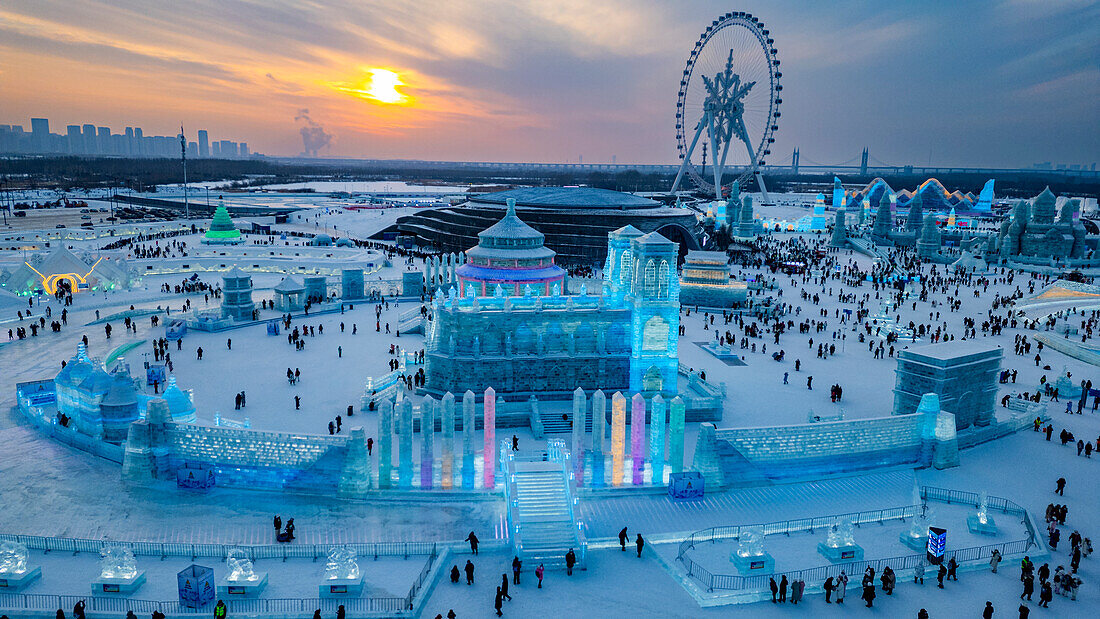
{"points": [[536, 80]]}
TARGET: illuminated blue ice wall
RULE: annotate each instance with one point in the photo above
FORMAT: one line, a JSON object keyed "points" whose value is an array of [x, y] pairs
{"points": [[655, 319]]}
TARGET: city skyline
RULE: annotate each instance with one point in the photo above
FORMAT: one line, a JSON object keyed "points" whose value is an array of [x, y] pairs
{"points": [[519, 82], [97, 140]]}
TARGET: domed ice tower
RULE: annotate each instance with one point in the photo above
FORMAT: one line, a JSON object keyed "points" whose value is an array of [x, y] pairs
{"points": [[512, 255]]}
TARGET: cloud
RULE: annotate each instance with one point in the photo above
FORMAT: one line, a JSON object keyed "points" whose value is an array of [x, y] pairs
{"points": [[281, 85]]}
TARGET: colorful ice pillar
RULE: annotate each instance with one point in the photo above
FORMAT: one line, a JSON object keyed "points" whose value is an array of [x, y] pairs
{"points": [[579, 405], [599, 430], [838, 194], [446, 472], [637, 439], [468, 440], [405, 458], [676, 435], [865, 211], [385, 444], [817, 222], [618, 437], [427, 436], [489, 450], [657, 439]]}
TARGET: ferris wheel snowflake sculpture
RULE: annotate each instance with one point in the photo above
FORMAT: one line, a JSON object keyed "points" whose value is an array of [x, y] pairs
{"points": [[729, 95]]}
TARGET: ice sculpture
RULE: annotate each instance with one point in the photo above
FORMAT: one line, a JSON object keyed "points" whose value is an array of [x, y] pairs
{"points": [[117, 562], [841, 534], [637, 439], [657, 440], [342, 564], [981, 521], [240, 567], [579, 422], [446, 473], [427, 446], [13, 558], [405, 429], [490, 429], [468, 440], [751, 542], [599, 425], [676, 435], [385, 444], [618, 437]]}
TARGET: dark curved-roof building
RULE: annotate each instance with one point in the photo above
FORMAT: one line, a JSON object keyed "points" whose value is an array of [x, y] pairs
{"points": [[574, 220]]}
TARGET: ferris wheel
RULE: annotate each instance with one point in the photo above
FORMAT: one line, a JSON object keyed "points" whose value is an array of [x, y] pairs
{"points": [[729, 97]]}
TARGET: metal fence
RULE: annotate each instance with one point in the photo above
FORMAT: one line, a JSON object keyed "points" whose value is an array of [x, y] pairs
{"points": [[387, 606], [221, 551], [734, 582]]}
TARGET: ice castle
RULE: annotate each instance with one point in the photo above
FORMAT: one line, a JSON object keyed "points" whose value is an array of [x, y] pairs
{"points": [[516, 328]]}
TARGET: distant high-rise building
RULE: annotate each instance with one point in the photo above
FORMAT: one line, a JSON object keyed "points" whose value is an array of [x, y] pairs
{"points": [[74, 141], [103, 139], [215, 149], [128, 146], [244, 149], [139, 143], [40, 134], [88, 134], [204, 143], [192, 150], [227, 148]]}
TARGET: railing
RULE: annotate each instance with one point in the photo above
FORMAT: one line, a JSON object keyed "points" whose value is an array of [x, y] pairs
{"points": [[257, 606], [221, 551], [714, 581], [420, 580]]}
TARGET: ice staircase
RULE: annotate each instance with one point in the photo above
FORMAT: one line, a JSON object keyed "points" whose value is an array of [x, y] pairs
{"points": [[410, 321], [552, 423], [540, 495]]}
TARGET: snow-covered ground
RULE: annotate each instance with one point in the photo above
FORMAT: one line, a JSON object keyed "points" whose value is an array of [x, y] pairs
{"points": [[50, 489]]}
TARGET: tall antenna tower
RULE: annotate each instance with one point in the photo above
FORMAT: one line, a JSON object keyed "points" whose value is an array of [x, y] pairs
{"points": [[183, 160]]}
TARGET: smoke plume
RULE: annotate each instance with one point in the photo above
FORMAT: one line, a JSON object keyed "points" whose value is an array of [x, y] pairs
{"points": [[314, 136]]}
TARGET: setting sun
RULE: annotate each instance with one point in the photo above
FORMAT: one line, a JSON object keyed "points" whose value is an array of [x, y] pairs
{"points": [[382, 86]]}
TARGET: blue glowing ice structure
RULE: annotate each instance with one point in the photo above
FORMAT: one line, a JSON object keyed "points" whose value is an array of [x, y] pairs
{"points": [[637, 439], [981, 522], [180, 406], [427, 436], [840, 545], [599, 431], [385, 444], [351, 284], [579, 405], [468, 403], [655, 319], [237, 295], [355, 479], [676, 411], [817, 223], [838, 193], [446, 468], [657, 440], [750, 558], [405, 432]]}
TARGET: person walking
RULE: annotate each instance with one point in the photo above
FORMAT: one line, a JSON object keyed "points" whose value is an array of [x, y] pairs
{"points": [[988, 612], [828, 587], [277, 521], [469, 572], [516, 565], [454, 574], [941, 575], [622, 539], [504, 587], [473, 542], [775, 589], [1024, 611], [570, 561], [797, 588], [841, 587], [539, 571], [918, 572], [1046, 594], [640, 543], [498, 603], [1029, 587], [994, 560], [220, 610], [341, 613], [783, 584], [952, 566], [1060, 486]]}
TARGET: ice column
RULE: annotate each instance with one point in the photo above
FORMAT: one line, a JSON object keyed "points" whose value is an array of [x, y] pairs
{"points": [[427, 436], [579, 405], [385, 444], [657, 440], [468, 440], [447, 466], [637, 439], [599, 429], [618, 437], [490, 427], [405, 458], [676, 435]]}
